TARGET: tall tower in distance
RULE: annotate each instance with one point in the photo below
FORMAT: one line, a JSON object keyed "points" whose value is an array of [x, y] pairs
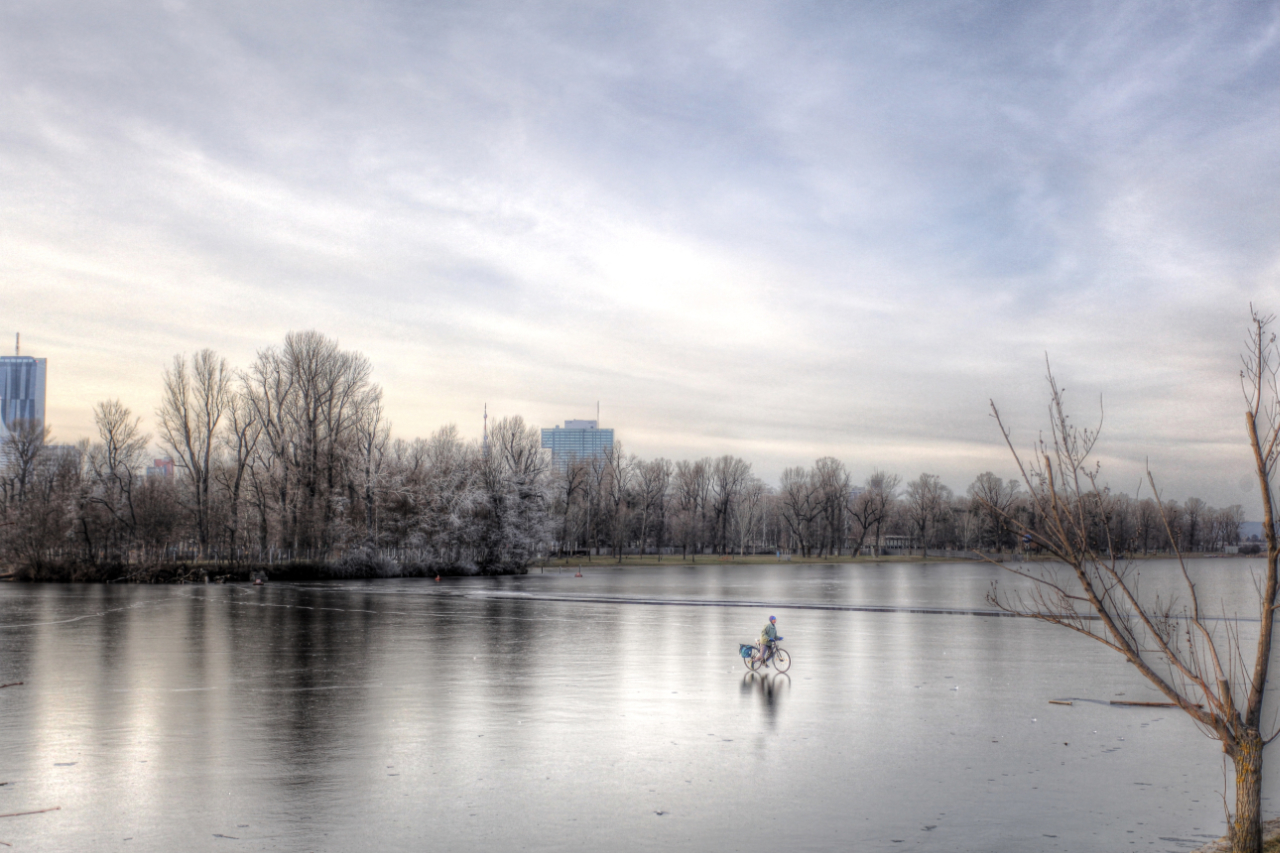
{"points": [[22, 381]]}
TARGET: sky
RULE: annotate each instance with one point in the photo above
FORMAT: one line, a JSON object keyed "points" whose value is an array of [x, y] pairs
{"points": [[776, 230]]}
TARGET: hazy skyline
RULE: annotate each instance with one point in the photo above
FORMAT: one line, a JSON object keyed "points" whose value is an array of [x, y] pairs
{"points": [[781, 231]]}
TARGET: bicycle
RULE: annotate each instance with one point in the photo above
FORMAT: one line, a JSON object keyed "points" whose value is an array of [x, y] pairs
{"points": [[753, 657]]}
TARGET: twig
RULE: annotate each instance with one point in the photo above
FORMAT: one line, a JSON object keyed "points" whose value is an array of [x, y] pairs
{"points": [[1151, 704], [37, 811], [12, 684], [1059, 702]]}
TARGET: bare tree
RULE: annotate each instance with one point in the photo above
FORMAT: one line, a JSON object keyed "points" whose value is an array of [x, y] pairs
{"points": [[194, 399], [37, 496], [1193, 511], [514, 477], [620, 470], [114, 464], [372, 433], [1171, 645], [655, 484], [1227, 526], [884, 491], [799, 505], [965, 517], [308, 397], [728, 476], [20, 450], [1148, 520], [927, 502], [239, 442], [438, 499], [748, 511], [994, 499], [831, 486], [692, 488], [569, 484]]}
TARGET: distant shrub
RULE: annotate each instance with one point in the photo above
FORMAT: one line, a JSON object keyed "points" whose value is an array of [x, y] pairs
{"points": [[363, 563]]}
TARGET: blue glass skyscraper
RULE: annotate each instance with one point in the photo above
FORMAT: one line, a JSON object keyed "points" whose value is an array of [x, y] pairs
{"points": [[576, 440], [21, 390]]}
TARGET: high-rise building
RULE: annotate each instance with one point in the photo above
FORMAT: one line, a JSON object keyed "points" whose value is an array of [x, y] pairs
{"points": [[21, 390], [576, 440]]}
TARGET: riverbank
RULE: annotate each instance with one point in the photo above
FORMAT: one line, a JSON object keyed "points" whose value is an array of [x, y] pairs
{"points": [[607, 561], [365, 567], [1270, 840], [217, 572]]}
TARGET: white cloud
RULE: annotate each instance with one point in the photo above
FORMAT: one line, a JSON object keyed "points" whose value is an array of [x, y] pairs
{"points": [[767, 229]]}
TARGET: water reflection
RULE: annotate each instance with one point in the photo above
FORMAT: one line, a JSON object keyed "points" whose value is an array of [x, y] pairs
{"points": [[769, 689], [411, 715]]}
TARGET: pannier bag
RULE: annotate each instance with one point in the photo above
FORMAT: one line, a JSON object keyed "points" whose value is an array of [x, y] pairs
{"points": [[745, 649]]}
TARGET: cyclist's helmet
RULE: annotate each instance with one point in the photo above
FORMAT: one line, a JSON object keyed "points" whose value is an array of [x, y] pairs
{"points": [[773, 618]]}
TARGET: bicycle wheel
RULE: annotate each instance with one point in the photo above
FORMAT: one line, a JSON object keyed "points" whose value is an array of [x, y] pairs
{"points": [[781, 660], [753, 662]]}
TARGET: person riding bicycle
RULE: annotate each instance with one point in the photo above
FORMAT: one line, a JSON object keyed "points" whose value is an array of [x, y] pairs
{"points": [[769, 639]]}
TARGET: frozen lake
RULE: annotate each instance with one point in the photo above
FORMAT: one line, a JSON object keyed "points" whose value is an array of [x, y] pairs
{"points": [[548, 712]]}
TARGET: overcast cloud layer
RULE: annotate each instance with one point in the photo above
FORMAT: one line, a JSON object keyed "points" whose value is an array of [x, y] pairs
{"points": [[780, 230]]}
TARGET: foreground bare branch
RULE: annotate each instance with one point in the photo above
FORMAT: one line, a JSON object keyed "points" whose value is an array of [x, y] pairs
{"points": [[1169, 643]]}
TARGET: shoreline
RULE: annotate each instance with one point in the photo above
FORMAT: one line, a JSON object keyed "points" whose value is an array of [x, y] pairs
{"points": [[648, 560], [372, 569], [1270, 840]]}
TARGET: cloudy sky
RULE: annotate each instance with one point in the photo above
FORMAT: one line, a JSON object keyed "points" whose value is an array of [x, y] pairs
{"points": [[778, 230]]}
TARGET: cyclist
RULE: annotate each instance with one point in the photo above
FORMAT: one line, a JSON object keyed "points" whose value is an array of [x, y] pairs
{"points": [[768, 639]]}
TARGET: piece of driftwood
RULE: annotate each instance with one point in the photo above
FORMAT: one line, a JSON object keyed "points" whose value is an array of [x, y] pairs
{"points": [[37, 811], [1059, 701], [12, 684]]}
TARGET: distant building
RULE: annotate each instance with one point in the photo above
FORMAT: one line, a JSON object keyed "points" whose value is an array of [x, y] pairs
{"points": [[576, 440], [68, 453], [889, 543], [55, 457], [161, 468], [21, 391]]}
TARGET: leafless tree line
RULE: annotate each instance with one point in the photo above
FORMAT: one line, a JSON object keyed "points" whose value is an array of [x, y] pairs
{"points": [[617, 504], [288, 460], [291, 460]]}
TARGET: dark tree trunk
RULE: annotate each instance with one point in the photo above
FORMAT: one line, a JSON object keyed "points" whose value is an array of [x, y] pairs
{"points": [[1246, 823]]}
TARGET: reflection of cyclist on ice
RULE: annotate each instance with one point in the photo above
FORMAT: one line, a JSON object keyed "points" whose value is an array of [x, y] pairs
{"points": [[769, 640]]}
